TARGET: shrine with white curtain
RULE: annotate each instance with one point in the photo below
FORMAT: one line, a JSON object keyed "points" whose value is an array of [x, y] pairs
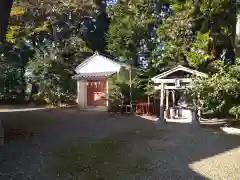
{"points": [[171, 85], [92, 80]]}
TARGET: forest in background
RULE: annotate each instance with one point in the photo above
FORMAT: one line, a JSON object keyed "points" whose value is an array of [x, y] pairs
{"points": [[47, 39]]}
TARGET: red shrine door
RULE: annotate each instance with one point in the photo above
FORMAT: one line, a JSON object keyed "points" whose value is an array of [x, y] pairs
{"points": [[96, 92]]}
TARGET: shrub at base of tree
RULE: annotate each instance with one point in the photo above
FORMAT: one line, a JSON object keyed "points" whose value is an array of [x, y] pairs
{"points": [[220, 92]]}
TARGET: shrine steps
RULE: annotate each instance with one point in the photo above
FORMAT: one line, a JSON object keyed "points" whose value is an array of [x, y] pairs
{"points": [[94, 108]]}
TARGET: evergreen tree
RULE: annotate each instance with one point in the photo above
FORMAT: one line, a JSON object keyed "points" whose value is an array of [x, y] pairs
{"points": [[5, 8], [197, 33]]}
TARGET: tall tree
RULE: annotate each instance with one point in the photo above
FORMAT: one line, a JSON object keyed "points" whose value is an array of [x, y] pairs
{"points": [[198, 32], [131, 35], [5, 8], [57, 20], [131, 27]]}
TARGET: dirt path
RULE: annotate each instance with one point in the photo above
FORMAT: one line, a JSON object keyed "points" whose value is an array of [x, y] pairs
{"points": [[69, 144], [35, 136]]}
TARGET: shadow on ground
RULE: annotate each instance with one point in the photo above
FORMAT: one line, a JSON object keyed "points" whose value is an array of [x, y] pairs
{"points": [[69, 144]]}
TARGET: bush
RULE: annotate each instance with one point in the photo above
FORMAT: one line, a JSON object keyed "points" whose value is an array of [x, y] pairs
{"points": [[115, 93], [219, 93], [52, 72], [235, 110], [39, 100]]}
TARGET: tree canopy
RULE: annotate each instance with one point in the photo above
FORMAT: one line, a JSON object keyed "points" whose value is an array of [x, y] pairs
{"points": [[5, 8], [191, 33]]}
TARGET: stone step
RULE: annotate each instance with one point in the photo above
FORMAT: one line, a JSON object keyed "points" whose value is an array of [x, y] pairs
{"points": [[95, 108], [178, 120], [213, 121]]}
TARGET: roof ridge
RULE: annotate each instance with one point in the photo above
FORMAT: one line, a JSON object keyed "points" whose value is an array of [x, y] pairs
{"points": [[96, 53], [109, 56], [177, 68]]}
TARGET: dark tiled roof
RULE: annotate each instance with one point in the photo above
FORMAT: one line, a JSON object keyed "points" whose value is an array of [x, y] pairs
{"points": [[92, 75]]}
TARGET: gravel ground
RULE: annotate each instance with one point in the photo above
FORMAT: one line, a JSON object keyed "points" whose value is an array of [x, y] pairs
{"points": [[44, 132], [189, 152], [181, 151]]}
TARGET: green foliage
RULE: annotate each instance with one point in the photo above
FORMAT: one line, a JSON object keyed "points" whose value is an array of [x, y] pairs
{"points": [[37, 26], [219, 93], [196, 33], [57, 21], [130, 22], [125, 30], [119, 88], [198, 53], [172, 42], [144, 84], [35, 18], [235, 110], [115, 96], [12, 74], [52, 69]]}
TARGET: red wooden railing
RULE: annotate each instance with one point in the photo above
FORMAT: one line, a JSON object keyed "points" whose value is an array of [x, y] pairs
{"points": [[145, 108]]}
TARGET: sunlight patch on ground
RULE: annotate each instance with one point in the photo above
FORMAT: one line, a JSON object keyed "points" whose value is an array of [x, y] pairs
{"points": [[23, 109], [220, 167], [231, 130], [150, 118]]}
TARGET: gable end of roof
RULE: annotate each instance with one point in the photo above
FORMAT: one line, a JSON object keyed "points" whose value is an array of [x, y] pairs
{"points": [[179, 68], [85, 62]]}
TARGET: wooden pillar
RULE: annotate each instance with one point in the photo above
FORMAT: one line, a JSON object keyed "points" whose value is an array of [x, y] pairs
{"points": [[173, 98], [148, 92], [167, 112], [167, 99], [107, 89], [85, 93], [161, 117], [82, 94], [130, 87], [118, 75], [198, 110], [78, 91]]}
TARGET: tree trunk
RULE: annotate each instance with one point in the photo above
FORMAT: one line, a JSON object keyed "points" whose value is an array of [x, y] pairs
{"points": [[5, 9]]}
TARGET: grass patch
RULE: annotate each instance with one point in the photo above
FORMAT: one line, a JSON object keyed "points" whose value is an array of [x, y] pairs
{"points": [[108, 159]]}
